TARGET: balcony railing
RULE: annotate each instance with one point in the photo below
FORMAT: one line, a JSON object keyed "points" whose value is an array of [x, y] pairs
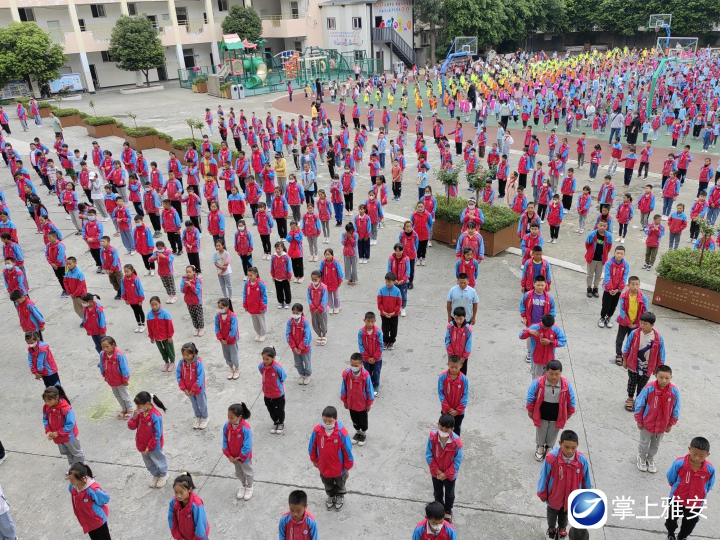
{"points": [[282, 16], [57, 33], [103, 32], [194, 26]]}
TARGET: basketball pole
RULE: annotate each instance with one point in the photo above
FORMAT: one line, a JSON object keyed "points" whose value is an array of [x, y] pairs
{"points": [[656, 76]]}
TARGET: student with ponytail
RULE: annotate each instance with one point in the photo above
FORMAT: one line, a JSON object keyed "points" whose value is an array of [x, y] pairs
{"points": [[228, 334], [116, 371], [60, 425], [161, 332], [237, 447], [186, 514], [131, 290], [89, 501], [41, 360], [190, 375], [191, 286], [147, 422], [273, 377], [93, 319]]}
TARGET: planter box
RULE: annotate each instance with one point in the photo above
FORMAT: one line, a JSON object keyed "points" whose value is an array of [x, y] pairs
{"points": [[141, 143], [688, 299], [100, 131], [445, 232], [498, 242], [162, 144], [45, 112], [200, 88], [72, 120], [117, 131]]}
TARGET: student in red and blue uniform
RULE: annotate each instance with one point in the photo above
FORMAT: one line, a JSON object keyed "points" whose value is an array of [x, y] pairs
{"points": [[60, 425], [186, 513], [144, 244], [55, 256], [147, 422], [298, 335], [237, 447], [14, 277], [171, 223], [89, 502], [458, 337], [165, 259], [467, 265], [453, 388], [160, 331], [228, 334], [472, 239], [356, 393], [597, 249], [190, 376], [131, 290], [542, 353], [191, 287], [389, 303], [330, 450], [615, 276], [444, 453], [297, 522], [644, 350], [295, 251], [564, 470], [31, 320], [434, 526], [422, 222], [691, 478], [93, 319], [41, 360], [115, 370], [273, 376], [534, 267], [264, 223]]}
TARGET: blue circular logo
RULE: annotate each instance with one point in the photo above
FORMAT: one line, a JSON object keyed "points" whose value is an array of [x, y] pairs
{"points": [[588, 508]]}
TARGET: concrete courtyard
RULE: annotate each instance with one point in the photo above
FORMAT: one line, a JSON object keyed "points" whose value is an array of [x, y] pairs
{"points": [[390, 483]]}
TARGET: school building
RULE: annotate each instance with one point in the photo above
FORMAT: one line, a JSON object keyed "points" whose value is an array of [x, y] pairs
{"points": [[190, 31]]}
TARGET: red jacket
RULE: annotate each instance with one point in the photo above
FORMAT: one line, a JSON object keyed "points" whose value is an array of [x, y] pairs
{"points": [[74, 286], [132, 290], [389, 300], [315, 296], [453, 392], [235, 437], [280, 267], [92, 230], [296, 334], [331, 275], [94, 320], [183, 521], [371, 344], [191, 376], [617, 275], [149, 434], [443, 459], [242, 243], [56, 420], [399, 267], [114, 368], [654, 407], [590, 243], [357, 392], [272, 380], [331, 452], [86, 503], [558, 478], [624, 305], [253, 297], [536, 396], [656, 354], [528, 276]]}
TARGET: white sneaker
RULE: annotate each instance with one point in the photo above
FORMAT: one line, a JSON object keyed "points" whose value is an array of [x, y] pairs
{"points": [[196, 423], [402, 313], [429, 243], [152, 272], [664, 218], [262, 338], [162, 480], [248, 493], [651, 468], [601, 322], [153, 481], [306, 380], [147, 273], [137, 329], [301, 380], [642, 464], [203, 423], [142, 328], [622, 240], [241, 493]]}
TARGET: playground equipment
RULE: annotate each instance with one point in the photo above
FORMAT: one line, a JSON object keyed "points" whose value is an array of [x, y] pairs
{"points": [[242, 59], [462, 48]]}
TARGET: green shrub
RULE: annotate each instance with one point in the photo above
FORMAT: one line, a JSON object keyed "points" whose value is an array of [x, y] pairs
{"points": [[681, 266], [225, 86], [99, 120], [84, 115], [65, 112], [142, 131], [119, 124], [496, 217], [44, 105], [199, 80], [167, 138]]}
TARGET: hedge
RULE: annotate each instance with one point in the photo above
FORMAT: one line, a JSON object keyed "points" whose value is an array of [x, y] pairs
{"points": [[99, 120], [181, 144], [681, 266], [65, 112], [142, 131], [496, 217], [168, 138]]}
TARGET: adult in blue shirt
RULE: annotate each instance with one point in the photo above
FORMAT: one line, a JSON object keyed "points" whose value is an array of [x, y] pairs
{"points": [[462, 295]]}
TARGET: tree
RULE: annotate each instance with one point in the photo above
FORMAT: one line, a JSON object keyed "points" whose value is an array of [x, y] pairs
{"points": [[429, 12], [27, 52], [135, 45], [482, 18], [243, 21]]}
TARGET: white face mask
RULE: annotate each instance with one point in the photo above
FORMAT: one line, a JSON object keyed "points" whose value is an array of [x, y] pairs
{"points": [[241, 229], [329, 427], [91, 218], [296, 316], [316, 284], [443, 434], [436, 528], [138, 225], [355, 369], [222, 311], [33, 345], [85, 305], [8, 267]]}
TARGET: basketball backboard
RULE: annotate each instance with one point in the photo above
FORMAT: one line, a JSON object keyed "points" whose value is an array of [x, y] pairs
{"points": [[465, 45], [676, 47], [659, 21]]}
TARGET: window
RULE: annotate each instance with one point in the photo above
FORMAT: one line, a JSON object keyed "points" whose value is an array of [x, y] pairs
{"points": [[106, 56], [97, 10], [222, 5], [357, 23], [26, 14], [425, 38], [298, 46], [81, 24], [181, 13], [132, 10], [165, 16], [294, 10], [359, 56], [331, 23]]}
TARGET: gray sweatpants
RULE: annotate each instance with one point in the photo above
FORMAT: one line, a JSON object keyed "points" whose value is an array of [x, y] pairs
{"points": [[312, 245], [230, 353], [72, 451], [319, 323], [546, 434], [649, 443], [122, 394], [303, 364], [244, 471], [258, 322], [335, 486], [351, 264], [7, 527], [594, 274], [536, 370]]}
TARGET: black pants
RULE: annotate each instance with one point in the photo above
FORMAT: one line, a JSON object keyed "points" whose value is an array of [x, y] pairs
{"points": [[422, 249], [282, 227], [95, 252], [297, 267], [194, 259], [348, 201], [412, 270], [177, 205], [681, 175], [265, 239], [148, 265], [622, 230], [501, 187], [60, 275], [276, 408], [556, 519], [2, 450], [238, 144], [636, 383], [50, 380], [356, 123], [6, 128], [175, 242], [389, 329], [101, 533], [643, 165], [522, 180], [397, 189], [444, 493], [694, 230], [458, 148], [196, 222], [155, 221], [246, 262], [253, 209], [139, 313], [342, 116], [458, 422], [687, 525], [609, 304], [628, 176], [567, 202], [282, 290], [542, 210], [359, 420], [139, 209], [554, 231], [463, 368], [363, 246], [622, 333]]}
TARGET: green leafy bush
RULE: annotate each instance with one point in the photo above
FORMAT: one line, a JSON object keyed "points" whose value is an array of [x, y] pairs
{"points": [[66, 112], [141, 131], [496, 217], [225, 86], [200, 80], [682, 266], [84, 115], [99, 121], [44, 105], [181, 144], [167, 138]]}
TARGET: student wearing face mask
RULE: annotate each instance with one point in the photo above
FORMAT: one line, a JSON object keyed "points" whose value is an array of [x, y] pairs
{"points": [[299, 338], [317, 297], [228, 333], [356, 393], [444, 453], [330, 450], [41, 361], [434, 526]]}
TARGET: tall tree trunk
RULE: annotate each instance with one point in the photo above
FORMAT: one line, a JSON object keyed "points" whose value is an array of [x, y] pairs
{"points": [[146, 72], [432, 43]]}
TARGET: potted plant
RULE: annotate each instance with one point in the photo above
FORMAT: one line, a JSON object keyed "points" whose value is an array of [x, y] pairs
{"points": [[689, 279], [497, 231], [141, 138], [199, 85], [44, 107], [225, 90], [69, 117], [99, 126], [118, 129], [163, 141]]}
